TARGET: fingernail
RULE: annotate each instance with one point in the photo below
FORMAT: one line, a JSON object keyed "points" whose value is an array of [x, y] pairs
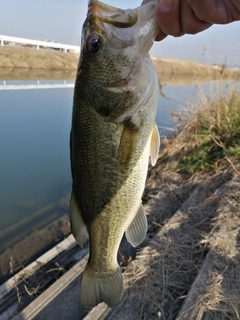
{"points": [[165, 5]]}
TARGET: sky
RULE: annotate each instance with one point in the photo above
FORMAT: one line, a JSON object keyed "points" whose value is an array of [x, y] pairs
{"points": [[61, 21]]}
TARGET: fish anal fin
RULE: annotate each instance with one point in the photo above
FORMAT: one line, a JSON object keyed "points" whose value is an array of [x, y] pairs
{"points": [[155, 144], [96, 289], [127, 146], [78, 226], [136, 231]]}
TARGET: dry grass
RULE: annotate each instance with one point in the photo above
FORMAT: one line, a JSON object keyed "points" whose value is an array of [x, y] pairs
{"points": [[181, 71], [18, 57]]}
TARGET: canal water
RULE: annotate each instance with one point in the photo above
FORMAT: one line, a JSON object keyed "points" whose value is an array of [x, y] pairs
{"points": [[35, 178]]}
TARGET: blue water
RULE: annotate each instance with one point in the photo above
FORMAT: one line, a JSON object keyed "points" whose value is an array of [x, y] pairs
{"points": [[34, 157], [172, 99]]}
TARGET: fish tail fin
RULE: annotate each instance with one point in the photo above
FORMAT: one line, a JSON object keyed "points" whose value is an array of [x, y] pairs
{"points": [[96, 289]]}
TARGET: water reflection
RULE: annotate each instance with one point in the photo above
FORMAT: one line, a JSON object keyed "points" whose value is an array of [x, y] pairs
{"points": [[26, 85]]}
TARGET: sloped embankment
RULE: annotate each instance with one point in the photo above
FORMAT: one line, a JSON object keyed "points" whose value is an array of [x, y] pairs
{"points": [[23, 57], [187, 268]]}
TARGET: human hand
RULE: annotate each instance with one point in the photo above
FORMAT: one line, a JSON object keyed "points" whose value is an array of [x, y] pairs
{"points": [[178, 17]]}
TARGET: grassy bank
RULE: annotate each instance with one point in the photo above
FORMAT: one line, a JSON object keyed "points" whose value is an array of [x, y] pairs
{"points": [[19, 57], [181, 71]]}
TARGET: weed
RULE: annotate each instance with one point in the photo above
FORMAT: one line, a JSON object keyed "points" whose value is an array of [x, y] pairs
{"points": [[209, 134]]}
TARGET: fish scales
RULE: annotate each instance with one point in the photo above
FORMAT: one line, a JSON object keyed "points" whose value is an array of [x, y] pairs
{"points": [[113, 134]]}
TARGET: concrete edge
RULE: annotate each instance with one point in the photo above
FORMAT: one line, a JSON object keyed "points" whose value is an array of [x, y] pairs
{"points": [[53, 291], [66, 244], [189, 309], [98, 312]]}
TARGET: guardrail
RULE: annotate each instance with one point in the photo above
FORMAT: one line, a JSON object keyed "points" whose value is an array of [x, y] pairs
{"points": [[6, 40]]}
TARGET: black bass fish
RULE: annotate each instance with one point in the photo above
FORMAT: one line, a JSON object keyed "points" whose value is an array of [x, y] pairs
{"points": [[113, 134]]}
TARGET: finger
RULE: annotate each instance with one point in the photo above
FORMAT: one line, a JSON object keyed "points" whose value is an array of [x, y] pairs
{"points": [[168, 17], [236, 4], [189, 22], [160, 36]]}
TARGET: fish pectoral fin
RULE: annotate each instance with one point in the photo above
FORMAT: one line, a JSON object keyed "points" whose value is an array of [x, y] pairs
{"points": [[127, 146], [78, 227], [155, 144], [136, 231]]}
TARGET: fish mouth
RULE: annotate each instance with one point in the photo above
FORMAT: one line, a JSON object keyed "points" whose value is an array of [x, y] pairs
{"points": [[119, 18], [110, 22]]}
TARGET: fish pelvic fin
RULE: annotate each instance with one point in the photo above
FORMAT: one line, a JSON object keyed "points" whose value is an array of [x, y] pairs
{"points": [[136, 231], [78, 227], [127, 146], [96, 288], [155, 144]]}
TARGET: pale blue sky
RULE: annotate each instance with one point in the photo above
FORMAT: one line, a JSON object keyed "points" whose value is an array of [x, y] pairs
{"points": [[61, 20]]}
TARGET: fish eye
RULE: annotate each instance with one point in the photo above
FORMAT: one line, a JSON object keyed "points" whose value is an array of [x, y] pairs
{"points": [[93, 43]]}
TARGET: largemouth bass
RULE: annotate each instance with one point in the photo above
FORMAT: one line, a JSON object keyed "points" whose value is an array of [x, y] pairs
{"points": [[113, 134]]}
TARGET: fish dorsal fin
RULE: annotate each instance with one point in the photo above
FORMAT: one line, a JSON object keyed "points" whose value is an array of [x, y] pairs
{"points": [[155, 144], [127, 146], [136, 231], [78, 227]]}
